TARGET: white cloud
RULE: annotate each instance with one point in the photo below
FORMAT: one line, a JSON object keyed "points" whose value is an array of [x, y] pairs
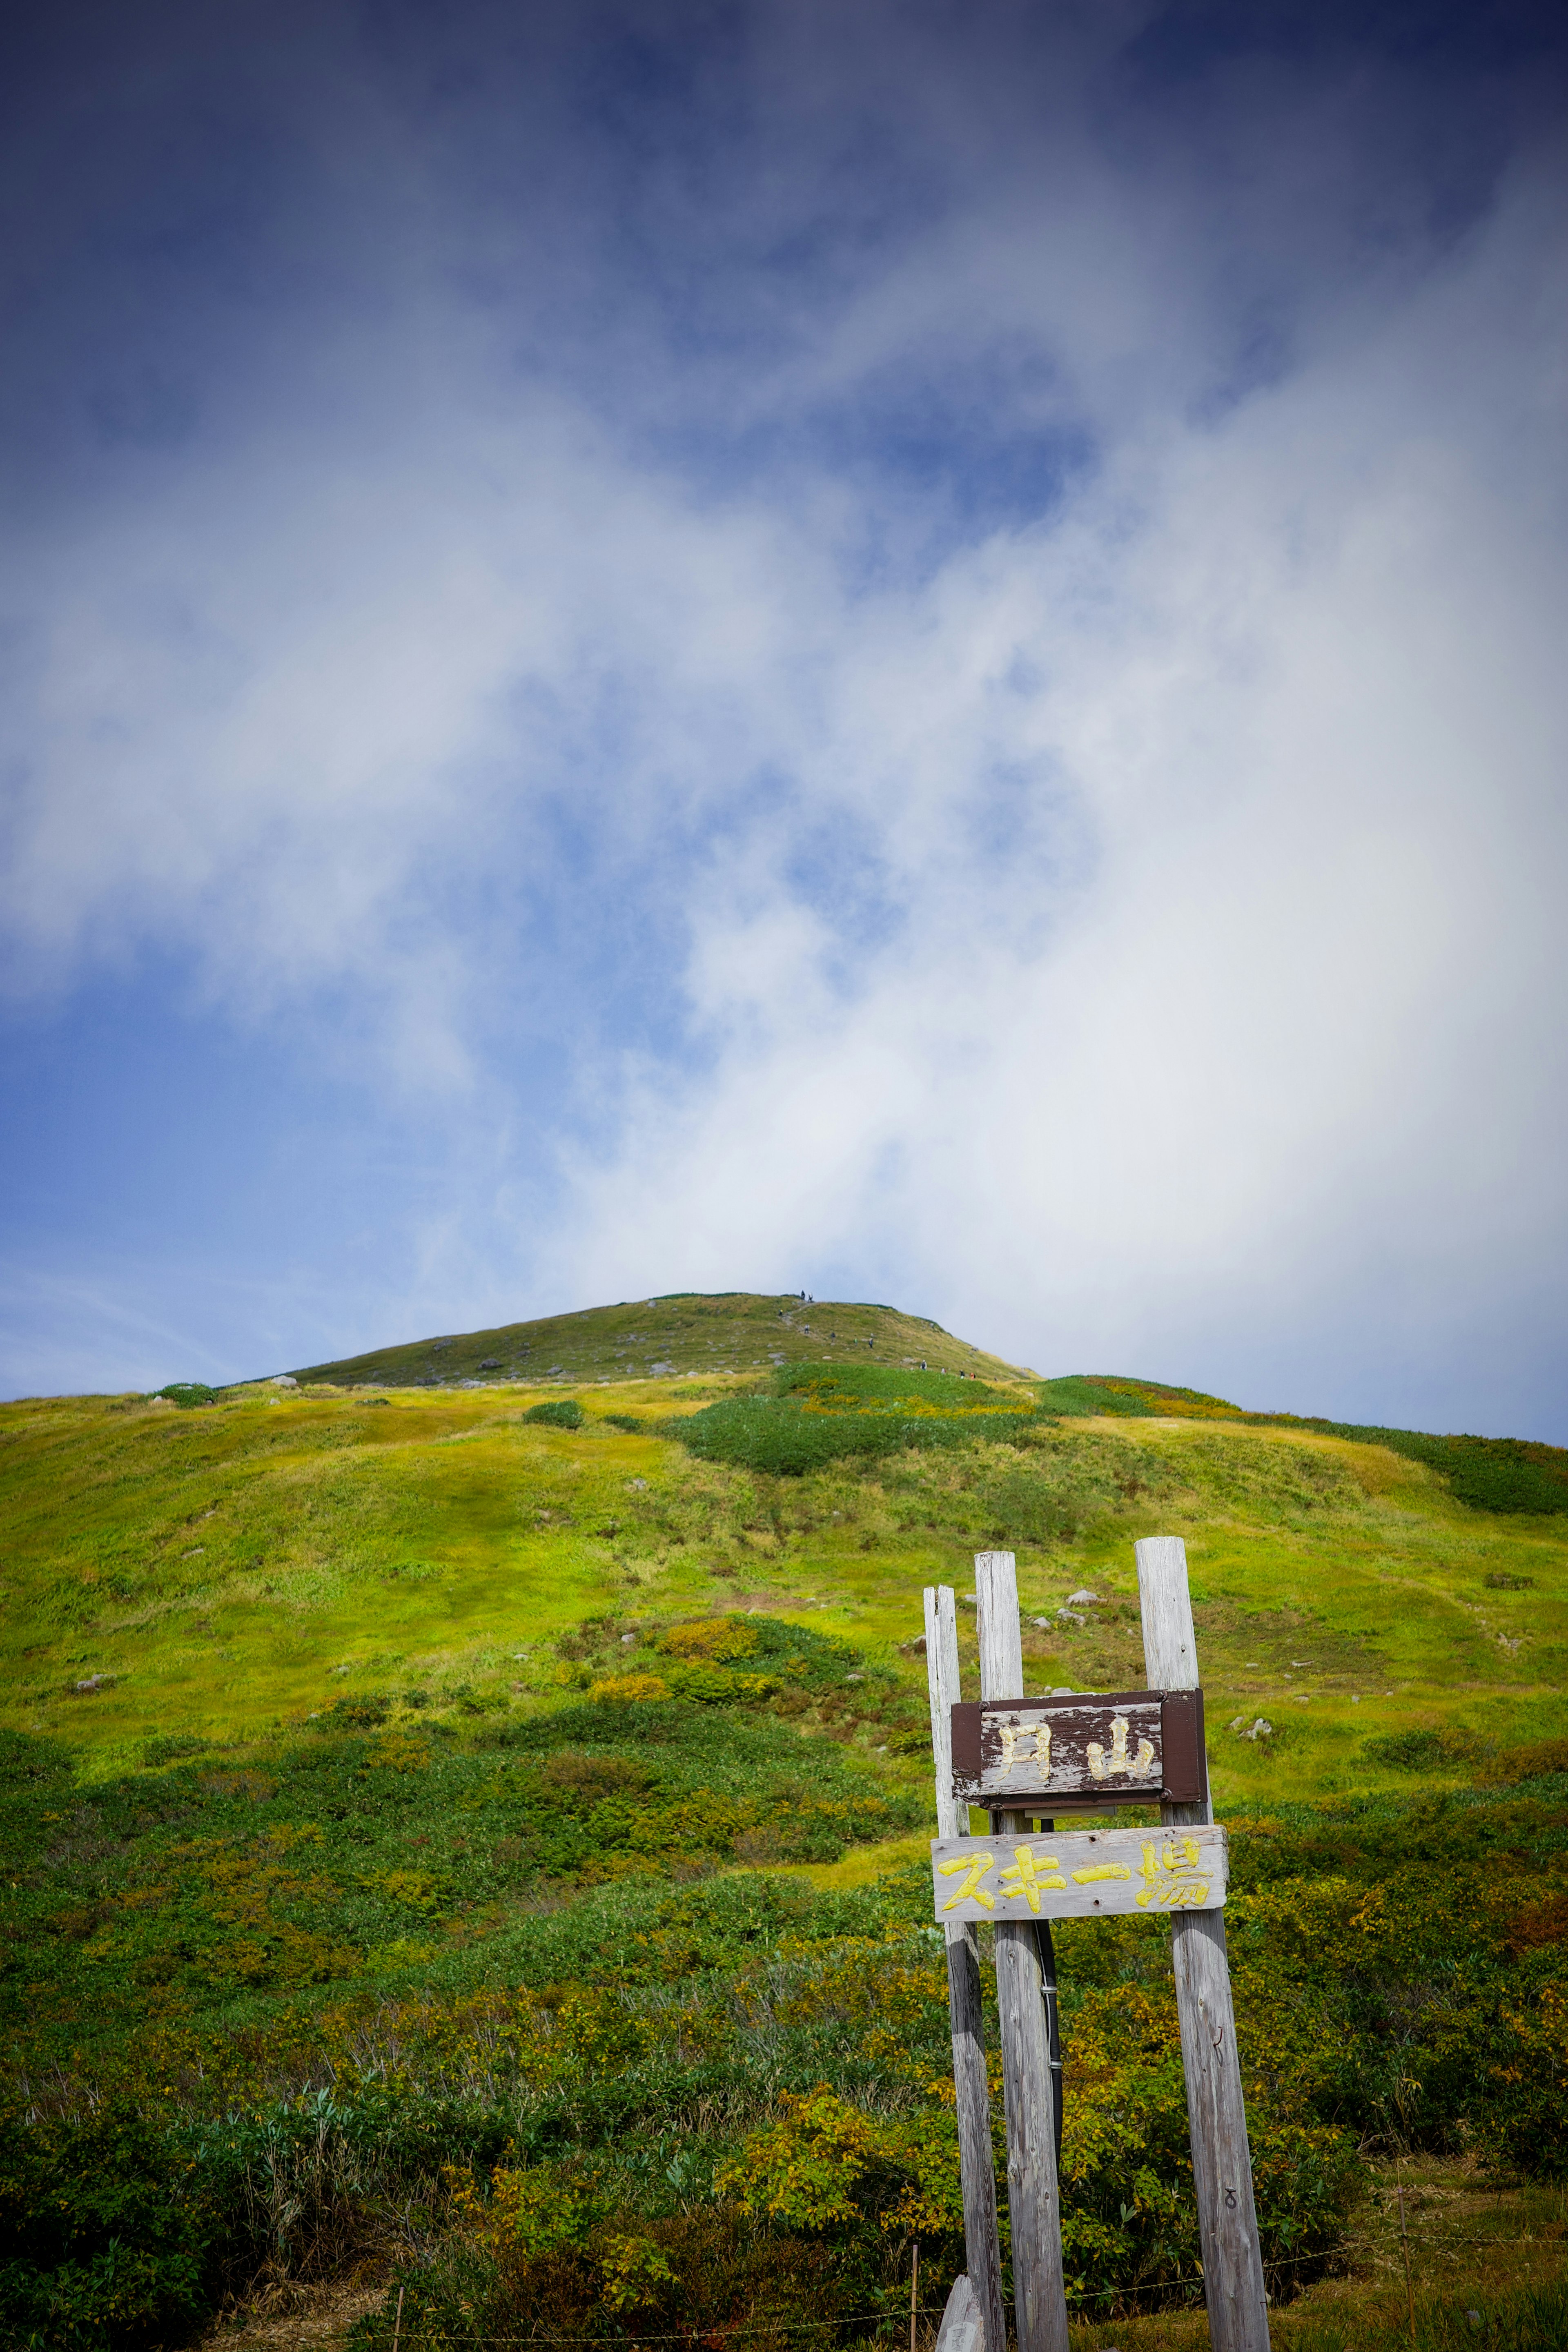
{"points": [[1131, 934], [1289, 1039]]}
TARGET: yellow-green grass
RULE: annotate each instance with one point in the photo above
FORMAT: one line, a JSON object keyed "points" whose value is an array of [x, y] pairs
{"points": [[232, 1570], [739, 1332], [1476, 2240]]}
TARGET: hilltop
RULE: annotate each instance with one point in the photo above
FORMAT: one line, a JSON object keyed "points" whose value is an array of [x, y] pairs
{"points": [[685, 1331]]}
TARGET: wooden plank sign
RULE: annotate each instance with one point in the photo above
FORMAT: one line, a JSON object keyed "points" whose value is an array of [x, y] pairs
{"points": [[1138, 1746], [1087, 1874]]}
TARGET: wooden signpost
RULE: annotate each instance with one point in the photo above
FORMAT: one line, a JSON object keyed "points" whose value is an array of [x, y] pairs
{"points": [[1025, 1761], [972, 2093]]}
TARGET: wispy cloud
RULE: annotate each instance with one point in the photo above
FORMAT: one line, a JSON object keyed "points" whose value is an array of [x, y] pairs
{"points": [[877, 658]]}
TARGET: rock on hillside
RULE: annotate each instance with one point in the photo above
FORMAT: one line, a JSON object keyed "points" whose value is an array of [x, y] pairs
{"points": [[735, 1331]]}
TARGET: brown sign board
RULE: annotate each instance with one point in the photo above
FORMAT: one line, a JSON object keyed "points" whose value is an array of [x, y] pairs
{"points": [[1129, 1747], [1087, 1874]]}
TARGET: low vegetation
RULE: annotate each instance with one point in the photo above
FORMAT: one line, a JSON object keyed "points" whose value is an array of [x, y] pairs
{"points": [[478, 1847]]}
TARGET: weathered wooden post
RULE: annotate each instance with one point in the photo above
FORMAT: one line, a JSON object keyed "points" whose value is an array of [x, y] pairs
{"points": [[1217, 2115], [982, 2248], [1074, 1753], [1033, 2198]]}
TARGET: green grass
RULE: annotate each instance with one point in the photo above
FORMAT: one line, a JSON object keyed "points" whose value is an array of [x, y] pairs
{"points": [[724, 1333], [225, 1572], [1490, 1474], [497, 1777]]}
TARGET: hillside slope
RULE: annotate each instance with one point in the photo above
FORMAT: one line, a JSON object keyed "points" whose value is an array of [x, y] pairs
{"points": [[737, 1331], [222, 1573], [556, 1792]]}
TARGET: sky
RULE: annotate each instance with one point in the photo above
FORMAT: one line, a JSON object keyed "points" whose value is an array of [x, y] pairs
{"points": [[916, 651]]}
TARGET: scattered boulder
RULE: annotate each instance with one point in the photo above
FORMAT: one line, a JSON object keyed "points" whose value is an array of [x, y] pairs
{"points": [[1082, 1599]]}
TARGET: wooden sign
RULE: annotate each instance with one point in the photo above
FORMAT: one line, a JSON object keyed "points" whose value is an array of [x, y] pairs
{"points": [[1134, 1747], [1087, 1874], [1019, 1757]]}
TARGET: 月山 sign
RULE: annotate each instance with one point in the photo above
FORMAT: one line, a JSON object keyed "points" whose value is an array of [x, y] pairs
{"points": [[1134, 1748]]}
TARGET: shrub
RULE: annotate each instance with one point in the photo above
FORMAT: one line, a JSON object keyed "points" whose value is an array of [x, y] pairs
{"points": [[363, 1712], [824, 2163], [188, 1394], [783, 1437], [1425, 1751], [629, 1686], [100, 2239], [683, 2275], [1488, 1473], [557, 1413], [172, 1747], [1543, 1759], [712, 1639], [1521, 2055]]}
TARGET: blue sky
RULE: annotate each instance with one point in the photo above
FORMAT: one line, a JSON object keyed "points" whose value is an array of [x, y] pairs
{"points": [[912, 651]]}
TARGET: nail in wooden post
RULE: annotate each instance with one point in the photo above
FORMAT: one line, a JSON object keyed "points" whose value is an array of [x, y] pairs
{"points": [[1039, 2300], [1217, 2115], [981, 2243]]}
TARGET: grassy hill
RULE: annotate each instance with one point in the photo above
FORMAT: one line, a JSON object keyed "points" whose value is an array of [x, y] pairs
{"points": [[686, 1332], [527, 1779]]}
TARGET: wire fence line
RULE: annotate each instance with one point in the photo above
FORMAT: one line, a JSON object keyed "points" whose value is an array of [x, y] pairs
{"points": [[727, 2331]]}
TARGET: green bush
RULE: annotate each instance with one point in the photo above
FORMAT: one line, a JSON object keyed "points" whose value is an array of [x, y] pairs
{"points": [[389, 1911], [1425, 1751], [360, 1713], [762, 1434], [1488, 1474], [557, 1412], [189, 1393], [682, 2273], [102, 2240], [173, 1748]]}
